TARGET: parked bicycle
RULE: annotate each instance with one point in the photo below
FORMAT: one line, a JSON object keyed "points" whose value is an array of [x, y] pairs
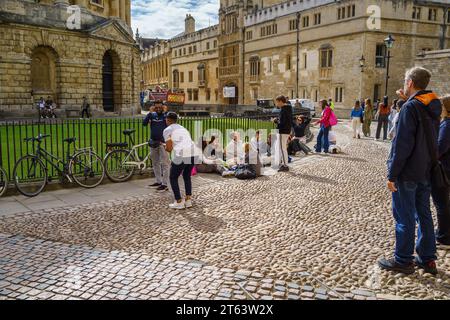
{"points": [[3, 181], [83, 166], [120, 162]]}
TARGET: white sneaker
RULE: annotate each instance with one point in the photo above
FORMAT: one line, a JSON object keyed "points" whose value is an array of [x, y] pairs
{"points": [[188, 204], [177, 205]]}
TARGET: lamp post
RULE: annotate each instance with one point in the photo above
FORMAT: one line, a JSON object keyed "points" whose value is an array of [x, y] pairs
{"points": [[362, 65], [389, 42]]}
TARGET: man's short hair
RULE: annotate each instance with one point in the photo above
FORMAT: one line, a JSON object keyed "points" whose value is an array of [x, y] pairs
{"points": [[419, 76], [172, 116], [158, 102], [281, 99]]}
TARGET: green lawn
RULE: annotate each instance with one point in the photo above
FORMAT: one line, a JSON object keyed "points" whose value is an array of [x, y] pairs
{"points": [[97, 132]]}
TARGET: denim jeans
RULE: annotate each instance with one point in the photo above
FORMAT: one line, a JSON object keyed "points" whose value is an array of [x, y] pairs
{"points": [[441, 199], [383, 122], [181, 167], [411, 203], [323, 134]]}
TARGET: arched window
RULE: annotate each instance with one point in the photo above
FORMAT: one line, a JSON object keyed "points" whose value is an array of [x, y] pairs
{"points": [[44, 75]]}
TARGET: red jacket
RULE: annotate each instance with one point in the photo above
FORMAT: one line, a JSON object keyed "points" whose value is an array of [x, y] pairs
{"points": [[325, 120]]}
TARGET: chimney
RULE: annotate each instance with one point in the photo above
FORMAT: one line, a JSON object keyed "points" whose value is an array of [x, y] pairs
{"points": [[189, 24]]}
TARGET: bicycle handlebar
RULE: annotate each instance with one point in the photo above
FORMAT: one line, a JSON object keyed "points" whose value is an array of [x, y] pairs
{"points": [[39, 138]]}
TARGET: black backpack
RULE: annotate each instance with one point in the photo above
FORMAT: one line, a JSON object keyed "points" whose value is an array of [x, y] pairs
{"points": [[245, 172]]}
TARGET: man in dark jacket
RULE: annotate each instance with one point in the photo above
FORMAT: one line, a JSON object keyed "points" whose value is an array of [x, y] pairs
{"points": [[284, 126], [158, 155], [409, 170]]}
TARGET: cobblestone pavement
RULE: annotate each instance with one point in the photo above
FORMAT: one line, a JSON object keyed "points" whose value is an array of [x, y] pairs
{"points": [[313, 233]]}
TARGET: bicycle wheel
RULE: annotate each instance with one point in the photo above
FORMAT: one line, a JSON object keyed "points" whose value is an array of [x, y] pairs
{"points": [[30, 176], [3, 182], [116, 166], [87, 169]]}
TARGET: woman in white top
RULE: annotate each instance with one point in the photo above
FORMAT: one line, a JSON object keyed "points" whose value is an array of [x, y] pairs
{"points": [[185, 155]]}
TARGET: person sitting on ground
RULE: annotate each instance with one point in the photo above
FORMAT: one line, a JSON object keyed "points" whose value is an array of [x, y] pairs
{"points": [[234, 151], [211, 162], [212, 148], [41, 107], [332, 138], [298, 141], [252, 159], [259, 144]]}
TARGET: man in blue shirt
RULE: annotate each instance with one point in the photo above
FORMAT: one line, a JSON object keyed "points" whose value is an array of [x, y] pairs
{"points": [[158, 155], [409, 176]]}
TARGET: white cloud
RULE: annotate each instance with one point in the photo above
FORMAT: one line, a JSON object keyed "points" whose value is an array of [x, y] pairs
{"points": [[165, 18]]}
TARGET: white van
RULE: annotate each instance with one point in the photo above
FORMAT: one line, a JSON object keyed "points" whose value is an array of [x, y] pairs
{"points": [[306, 103]]}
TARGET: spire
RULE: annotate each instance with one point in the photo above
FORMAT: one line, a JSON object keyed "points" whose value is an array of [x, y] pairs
{"points": [[137, 36]]}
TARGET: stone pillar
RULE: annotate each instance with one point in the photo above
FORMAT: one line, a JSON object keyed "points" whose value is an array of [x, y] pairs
{"points": [[122, 10], [128, 12], [61, 2], [114, 10]]}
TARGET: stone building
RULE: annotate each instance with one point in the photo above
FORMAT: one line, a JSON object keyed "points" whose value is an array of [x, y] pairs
{"points": [[58, 50], [438, 62], [312, 49], [155, 63], [195, 65], [186, 63], [330, 39]]}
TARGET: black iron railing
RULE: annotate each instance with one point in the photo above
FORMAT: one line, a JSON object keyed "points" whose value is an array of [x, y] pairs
{"points": [[96, 133]]}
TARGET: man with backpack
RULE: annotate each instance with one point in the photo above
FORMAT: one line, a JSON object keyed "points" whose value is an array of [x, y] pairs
{"points": [[410, 176]]}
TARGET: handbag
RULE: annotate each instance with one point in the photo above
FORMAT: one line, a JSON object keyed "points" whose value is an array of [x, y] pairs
{"points": [[439, 178]]}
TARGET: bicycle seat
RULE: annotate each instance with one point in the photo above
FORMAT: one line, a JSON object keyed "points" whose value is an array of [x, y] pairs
{"points": [[129, 132], [70, 140], [117, 145], [39, 138]]}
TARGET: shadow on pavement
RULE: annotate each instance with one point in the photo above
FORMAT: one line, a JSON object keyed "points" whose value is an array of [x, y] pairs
{"points": [[202, 222], [313, 178]]}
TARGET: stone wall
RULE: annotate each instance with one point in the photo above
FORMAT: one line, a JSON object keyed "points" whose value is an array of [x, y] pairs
{"points": [[438, 62], [77, 56]]}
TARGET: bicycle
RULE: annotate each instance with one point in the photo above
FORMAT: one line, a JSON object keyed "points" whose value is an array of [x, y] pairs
{"points": [[3, 181], [83, 166], [120, 162]]}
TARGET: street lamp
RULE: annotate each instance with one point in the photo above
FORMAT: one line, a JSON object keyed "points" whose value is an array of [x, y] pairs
{"points": [[389, 42], [362, 65]]}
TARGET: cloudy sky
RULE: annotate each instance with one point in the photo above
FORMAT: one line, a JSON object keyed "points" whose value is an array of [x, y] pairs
{"points": [[165, 18]]}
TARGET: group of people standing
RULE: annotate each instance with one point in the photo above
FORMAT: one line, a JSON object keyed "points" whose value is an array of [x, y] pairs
{"points": [[418, 170], [364, 113]]}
